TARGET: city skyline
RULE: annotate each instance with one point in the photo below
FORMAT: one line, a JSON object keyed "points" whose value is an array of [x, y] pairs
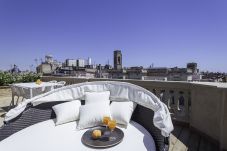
{"points": [[165, 34], [86, 60]]}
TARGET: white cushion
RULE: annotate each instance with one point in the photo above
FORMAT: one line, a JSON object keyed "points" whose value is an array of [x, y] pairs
{"points": [[122, 111], [67, 112], [92, 114], [45, 136], [95, 97]]}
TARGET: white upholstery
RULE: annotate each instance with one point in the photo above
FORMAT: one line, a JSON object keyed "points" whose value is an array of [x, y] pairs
{"points": [[67, 112], [119, 91], [45, 136], [122, 111], [92, 114], [95, 97]]}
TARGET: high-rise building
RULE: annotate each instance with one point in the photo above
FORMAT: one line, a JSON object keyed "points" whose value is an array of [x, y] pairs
{"points": [[89, 61], [117, 60]]}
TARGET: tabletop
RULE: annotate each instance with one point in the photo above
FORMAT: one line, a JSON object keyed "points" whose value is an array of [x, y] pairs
{"points": [[34, 85]]}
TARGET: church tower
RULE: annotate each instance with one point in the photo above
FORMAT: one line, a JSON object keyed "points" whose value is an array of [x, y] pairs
{"points": [[117, 60]]}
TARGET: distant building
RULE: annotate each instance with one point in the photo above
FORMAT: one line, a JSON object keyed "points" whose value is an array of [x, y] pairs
{"points": [[89, 61], [15, 69], [192, 68], [117, 60], [184, 74], [49, 59], [99, 71], [103, 71], [158, 73], [178, 74], [174, 74], [191, 73], [81, 63], [213, 77], [49, 66], [136, 73], [71, 62], [117, 74], [84, 68], [107, 66], [224, 79], [90, 66], [45, 69], [76, 72]]}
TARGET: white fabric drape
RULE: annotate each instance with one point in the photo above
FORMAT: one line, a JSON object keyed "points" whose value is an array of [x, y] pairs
{"points": [[119, 91]]}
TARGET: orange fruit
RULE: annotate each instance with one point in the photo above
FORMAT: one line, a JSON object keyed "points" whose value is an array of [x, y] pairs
{"points": [[96, 134]]}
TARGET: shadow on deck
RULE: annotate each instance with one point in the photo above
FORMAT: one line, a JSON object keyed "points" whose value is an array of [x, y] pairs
{"points": [[183, 138]]}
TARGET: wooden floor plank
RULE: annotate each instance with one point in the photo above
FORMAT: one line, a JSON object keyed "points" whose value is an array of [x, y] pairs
{"points": [[181, 143], [177, 130], [184, 136], [206, 145], [182, 139], [193, 143], [214, 147], [203, 145]]}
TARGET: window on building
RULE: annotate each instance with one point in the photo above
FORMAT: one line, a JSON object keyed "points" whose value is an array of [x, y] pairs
{"points": [[118, 60]]}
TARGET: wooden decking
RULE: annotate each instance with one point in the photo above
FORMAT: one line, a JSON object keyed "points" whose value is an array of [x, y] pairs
{"points": [[183, 139]]}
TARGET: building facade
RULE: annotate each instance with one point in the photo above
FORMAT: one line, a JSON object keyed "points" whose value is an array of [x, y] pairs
{"points": [[81, 63], [71, 62], [89, 61], [49, 66]]}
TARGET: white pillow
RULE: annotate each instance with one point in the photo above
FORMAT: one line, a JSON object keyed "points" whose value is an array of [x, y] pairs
{"points": [[122, 111], [95, 97], [67, 112], [92, 114]]}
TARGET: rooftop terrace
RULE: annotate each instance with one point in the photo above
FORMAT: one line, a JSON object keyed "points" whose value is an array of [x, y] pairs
{"points": [[199, 111]]}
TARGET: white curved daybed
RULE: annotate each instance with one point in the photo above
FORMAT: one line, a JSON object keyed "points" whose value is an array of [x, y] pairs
{"points": [[150, 112]]}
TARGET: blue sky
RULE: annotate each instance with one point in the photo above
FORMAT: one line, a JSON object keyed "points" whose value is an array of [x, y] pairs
{"points": [[163, 32]]}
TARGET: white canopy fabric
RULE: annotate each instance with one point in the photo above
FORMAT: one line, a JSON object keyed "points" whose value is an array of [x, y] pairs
{"points": [[119, 91]]}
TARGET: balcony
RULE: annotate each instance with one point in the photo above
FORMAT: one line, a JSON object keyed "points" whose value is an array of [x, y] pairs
{"points": [[199, 111]]}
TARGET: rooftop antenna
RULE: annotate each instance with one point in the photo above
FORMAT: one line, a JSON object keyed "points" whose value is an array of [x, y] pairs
{"points": [[31, 67], [11, 66], [41, 60], [36, 61]]}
